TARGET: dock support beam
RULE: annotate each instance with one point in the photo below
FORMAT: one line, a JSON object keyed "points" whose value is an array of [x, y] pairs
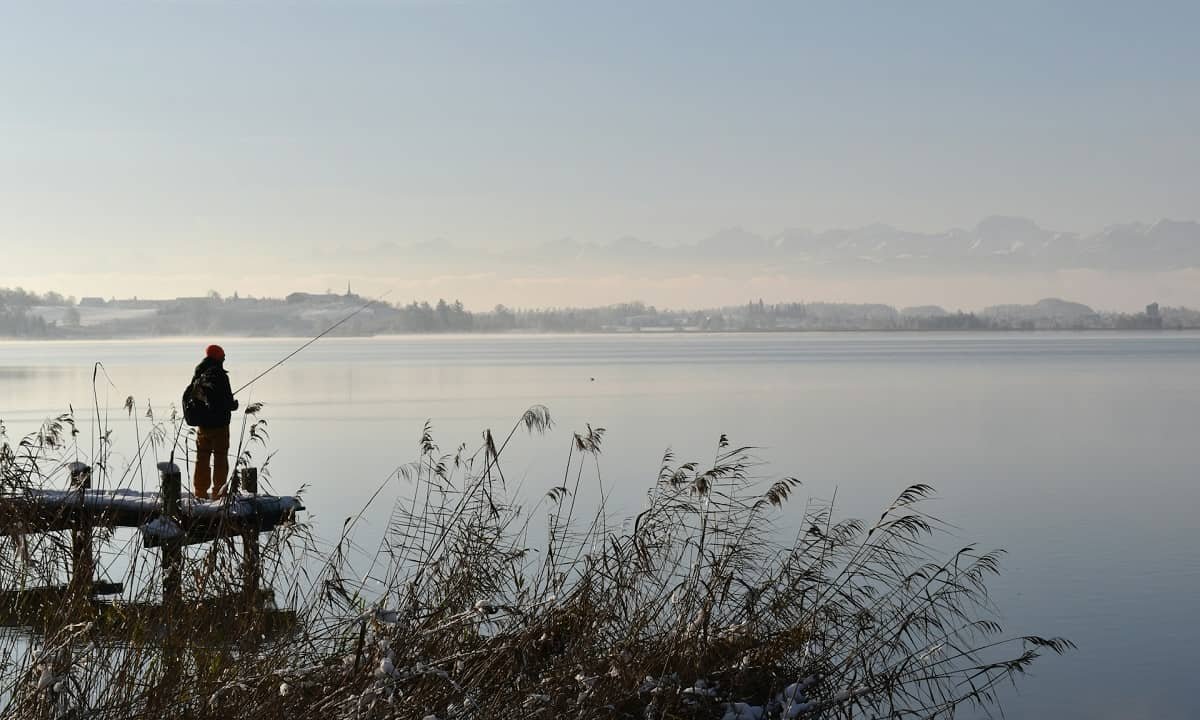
{"points": [[82, 563], [172, 550], [251, 558]]}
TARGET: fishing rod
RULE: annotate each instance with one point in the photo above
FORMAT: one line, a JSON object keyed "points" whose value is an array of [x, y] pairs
{"points": [[323, 333]]}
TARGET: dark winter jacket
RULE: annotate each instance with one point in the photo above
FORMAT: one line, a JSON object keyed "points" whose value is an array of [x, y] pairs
{"points": [[212, 382]]}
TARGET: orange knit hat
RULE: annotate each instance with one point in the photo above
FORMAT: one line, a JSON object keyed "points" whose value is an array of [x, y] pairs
{"points": [[214, 352]]}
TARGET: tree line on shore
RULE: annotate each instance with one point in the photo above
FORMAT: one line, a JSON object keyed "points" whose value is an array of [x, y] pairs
{"points": [[52, 315]]}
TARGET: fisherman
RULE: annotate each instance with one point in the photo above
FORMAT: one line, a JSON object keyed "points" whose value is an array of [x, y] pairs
{"points": [[211, 403]]}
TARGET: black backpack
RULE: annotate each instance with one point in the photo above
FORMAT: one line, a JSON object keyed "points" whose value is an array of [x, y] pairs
{"points": [[196, 410]]}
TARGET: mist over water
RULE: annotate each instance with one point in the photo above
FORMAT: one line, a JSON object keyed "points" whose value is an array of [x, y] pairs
{"points": [[1073, 451], [786, 223]]}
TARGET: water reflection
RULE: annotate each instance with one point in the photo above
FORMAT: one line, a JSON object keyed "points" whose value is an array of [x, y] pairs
{"points": [[1073, 451]]}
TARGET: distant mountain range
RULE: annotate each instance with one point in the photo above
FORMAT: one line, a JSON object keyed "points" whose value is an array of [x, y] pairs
{"points": [[996, 243]]}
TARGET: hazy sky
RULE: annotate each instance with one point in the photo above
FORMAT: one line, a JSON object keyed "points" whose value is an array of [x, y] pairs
{"points": [[165, 148]]}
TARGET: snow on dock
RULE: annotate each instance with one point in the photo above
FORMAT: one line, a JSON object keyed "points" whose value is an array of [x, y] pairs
{"points": [[47, 510]]}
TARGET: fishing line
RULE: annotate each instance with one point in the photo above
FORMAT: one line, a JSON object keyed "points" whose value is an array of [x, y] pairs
{"points": [[325, 332]]}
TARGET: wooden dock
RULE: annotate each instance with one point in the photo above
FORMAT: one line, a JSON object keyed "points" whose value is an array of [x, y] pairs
{"points": [[160, 516], [166, 519], [39, 511]]}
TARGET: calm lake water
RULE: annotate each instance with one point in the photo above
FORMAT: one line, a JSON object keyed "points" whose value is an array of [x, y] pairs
{"points": [[1075, 452]]}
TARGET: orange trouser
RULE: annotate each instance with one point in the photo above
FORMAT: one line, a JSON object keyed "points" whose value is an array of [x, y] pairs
{"points": [[211, 441]]}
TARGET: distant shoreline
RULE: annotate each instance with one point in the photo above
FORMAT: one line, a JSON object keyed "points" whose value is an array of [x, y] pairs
{"points": [[51, 316], [611, 333]]}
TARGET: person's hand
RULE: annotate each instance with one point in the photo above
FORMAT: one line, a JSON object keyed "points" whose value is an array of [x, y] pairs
{"points": [[235, 404]]}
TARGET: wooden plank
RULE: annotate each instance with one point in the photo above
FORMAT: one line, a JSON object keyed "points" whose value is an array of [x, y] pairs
{"points": [[41, 609], [54, 594], [38, 511]]}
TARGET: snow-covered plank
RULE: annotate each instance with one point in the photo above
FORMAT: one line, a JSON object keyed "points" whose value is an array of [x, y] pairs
{"points": [[45, 510]]}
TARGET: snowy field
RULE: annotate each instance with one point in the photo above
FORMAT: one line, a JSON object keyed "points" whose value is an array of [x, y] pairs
{"points": [[91, 316]]}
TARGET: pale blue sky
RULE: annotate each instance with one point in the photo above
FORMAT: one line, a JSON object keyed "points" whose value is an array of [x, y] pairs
{"points": [[154, 135]]}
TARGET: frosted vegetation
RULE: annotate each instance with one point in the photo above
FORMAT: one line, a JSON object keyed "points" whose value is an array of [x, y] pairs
{"points": [[727, 597]]}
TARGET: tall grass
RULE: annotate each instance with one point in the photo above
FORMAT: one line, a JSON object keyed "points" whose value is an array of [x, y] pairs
{"points": [[726, 597]]}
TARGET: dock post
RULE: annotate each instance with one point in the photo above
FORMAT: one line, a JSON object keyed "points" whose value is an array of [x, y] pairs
{"points": [[250, 480], [172, 550], [251, 563], [82, 565], [251, 558], [172, 617]]}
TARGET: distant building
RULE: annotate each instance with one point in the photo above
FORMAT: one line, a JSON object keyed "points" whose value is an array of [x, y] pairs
{"points": [[137, 303], [91, 302], [1154, 318], [303, 297], [325, 297]]}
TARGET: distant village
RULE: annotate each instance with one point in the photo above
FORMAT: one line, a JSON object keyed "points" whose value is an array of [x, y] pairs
{"points": [[51, 315]]}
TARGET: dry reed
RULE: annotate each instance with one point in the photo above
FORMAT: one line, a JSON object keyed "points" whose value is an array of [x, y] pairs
{"points": [[723, 598]]}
